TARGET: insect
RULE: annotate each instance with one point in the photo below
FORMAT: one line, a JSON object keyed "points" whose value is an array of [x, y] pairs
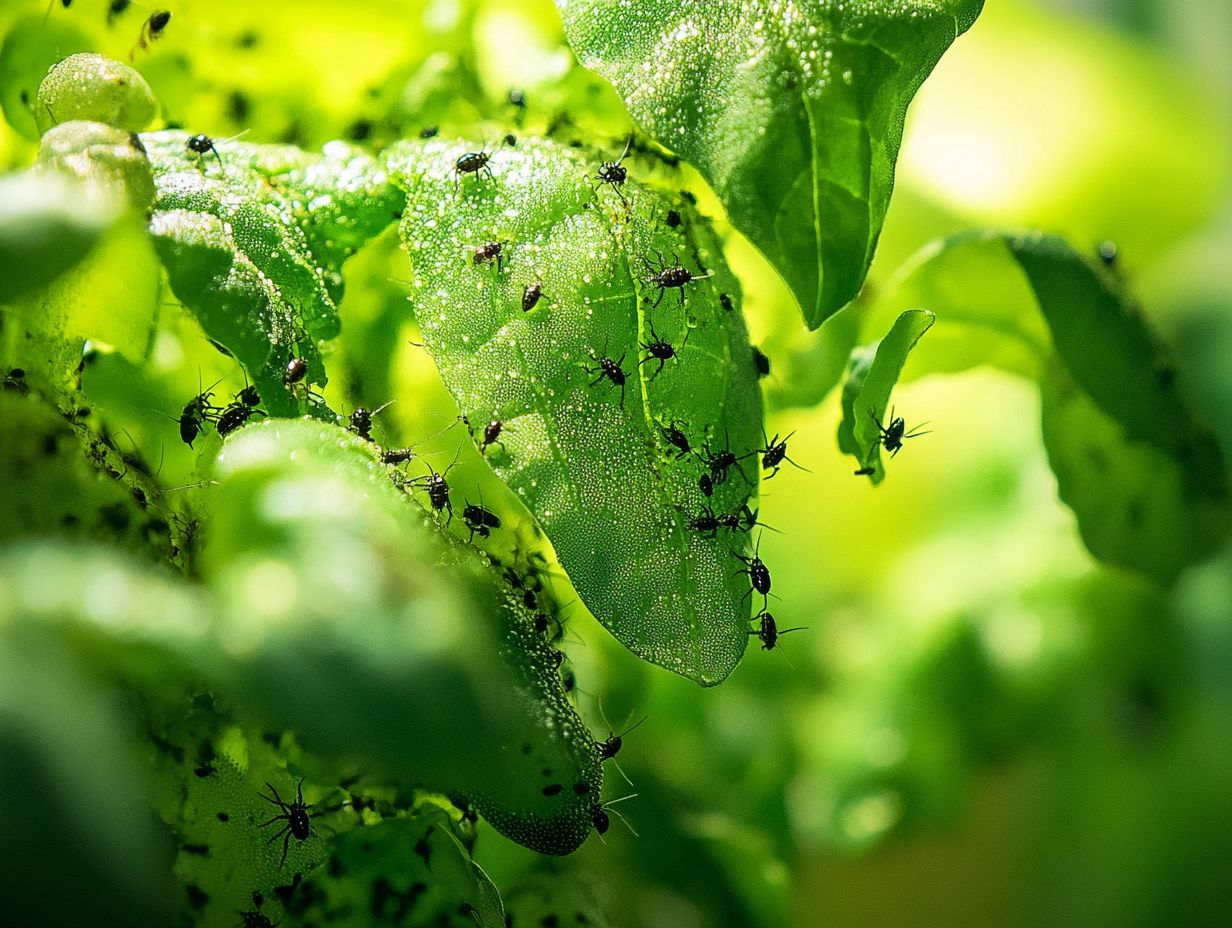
{"points": [[235, 416], [531, 296], [664, 277], [758, 572], [673, 219], [659, 350], [610, 370], [196, 413], [706, 484], [769, 632], [117, 8], [599, 816], [893, 436], [609, 748], [361, 421], [480, 521], [429, 132], [726, 302], [516, 97], [614, 173], [719, 464], [249, 396], [296, 370], [761, 363], [1107, 252], [472, 162], [775, 453], [742, 520], [437, 488], [707, 523], [677, 439], [201, 145], [491, 435], [489, 253], [510, 139], [865, 471], [151, 31], [396, 455], [295, 814]]}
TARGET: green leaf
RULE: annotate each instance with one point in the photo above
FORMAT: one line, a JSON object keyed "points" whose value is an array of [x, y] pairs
{"points": [[871, 376], [586, 455], [47, 225], [1115, 417], [94, 88], [793, 113], [253, 238], [32, 46]]}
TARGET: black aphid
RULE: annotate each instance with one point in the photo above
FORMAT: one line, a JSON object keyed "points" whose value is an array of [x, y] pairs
{"points": [[664, 277], [893, 436], [472, 162], [295, 814], [769, 632], [608, 369], [201, 145]]}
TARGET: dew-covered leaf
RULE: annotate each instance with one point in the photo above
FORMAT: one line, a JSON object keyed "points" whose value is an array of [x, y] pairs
{"points": [[584, 446], [253, 238], [792, 111], [872, 373], [94, 88]]}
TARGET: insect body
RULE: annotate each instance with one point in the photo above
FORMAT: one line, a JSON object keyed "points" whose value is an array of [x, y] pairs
{"points": [[296, 370], [480, 521], [361, 421], [775, 453], [203, 144], [761, 363], [151, 31], [664, 277], [677, 439], [608, 369], [295, 814], [769, 632], [491, 435], [893, 435], [707, 523], [531, 296], [658, 350], [396, 455], [720, 463], [235, 416], [196, 413], [472, 162], [489, 253], [614, 173], [757, 571]]}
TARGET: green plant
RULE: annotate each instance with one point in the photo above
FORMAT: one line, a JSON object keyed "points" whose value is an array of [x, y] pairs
{"points": [[275, 601]]}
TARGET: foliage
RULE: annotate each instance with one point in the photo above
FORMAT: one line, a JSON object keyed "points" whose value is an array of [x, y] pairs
{"points": [[347, 381]]}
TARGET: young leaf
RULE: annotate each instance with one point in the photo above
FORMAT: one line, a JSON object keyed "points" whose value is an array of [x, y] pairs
{"points": [[793, 112], [253, 238], [583, 403], [871, 376]]}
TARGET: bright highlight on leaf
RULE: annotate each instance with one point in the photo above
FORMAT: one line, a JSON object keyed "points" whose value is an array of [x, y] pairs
{"points": [[627, 337], [792, 111]]}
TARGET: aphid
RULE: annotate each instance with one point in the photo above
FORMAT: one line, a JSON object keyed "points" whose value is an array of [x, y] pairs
{"points": [[203, 144], [480, 521], [429, 132], [608, 749], [614, 173], [707, 523], [437, 488], [489, 253], [491, 435], [15, 380], [249, 396], [610, 370], [719, 464], [196, 413], [726, 302], [706, 484], [677, 439], [472, 162], [761, 363], [117, 8], [296, 371], [396, 455], [673, 219], [769, 632], [361, 421], [531, 296], [510, 139], [758, 572], [775, 453], [295, 814], [235, 416], [742, 520], [151, 31], [659, 350], [599, 817], [892, 437], [1107, 252], [664, 277], [865, 471]]}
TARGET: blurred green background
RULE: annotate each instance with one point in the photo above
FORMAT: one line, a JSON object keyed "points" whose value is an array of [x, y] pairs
{"points": [[982, 725]]}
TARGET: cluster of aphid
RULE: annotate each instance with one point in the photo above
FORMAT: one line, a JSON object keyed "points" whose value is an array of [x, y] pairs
{"points": [[200, 412]]}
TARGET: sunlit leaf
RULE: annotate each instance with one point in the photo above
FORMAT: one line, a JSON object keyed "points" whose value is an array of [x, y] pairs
{"points": [[792, 112], [586, 451]]}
